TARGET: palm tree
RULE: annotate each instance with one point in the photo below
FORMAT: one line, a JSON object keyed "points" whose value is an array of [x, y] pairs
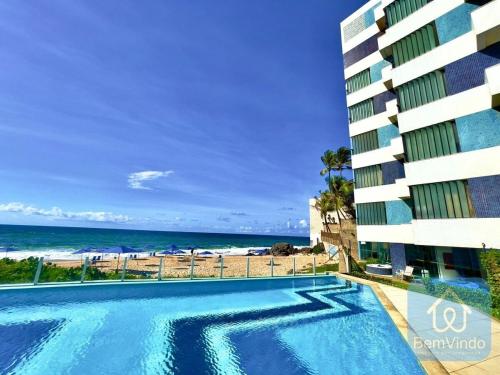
{"points": [[342, 195], [342, 159], [336, 161], [329, 161], [324, 204]]}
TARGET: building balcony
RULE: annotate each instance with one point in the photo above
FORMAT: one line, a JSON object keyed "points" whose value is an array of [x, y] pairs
{"points": [[397, 148], [486, 25], [492, 78], [470, 233], [387, 77], [392, 110]]}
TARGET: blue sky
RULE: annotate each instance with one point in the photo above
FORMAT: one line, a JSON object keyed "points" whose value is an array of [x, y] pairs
{"points": [[171, 115]]}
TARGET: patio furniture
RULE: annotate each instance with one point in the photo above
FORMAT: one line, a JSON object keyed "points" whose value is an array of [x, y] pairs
{"points": [[406, 274]]}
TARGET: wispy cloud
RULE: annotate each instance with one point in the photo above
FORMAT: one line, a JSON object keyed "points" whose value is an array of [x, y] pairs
{"points": [[224, 219], [287, 209], [136, 180], [58, 213], [303, 223], [239, 213]]}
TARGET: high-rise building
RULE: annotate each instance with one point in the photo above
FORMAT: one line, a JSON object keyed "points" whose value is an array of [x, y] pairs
{"points": [[423, 92]]}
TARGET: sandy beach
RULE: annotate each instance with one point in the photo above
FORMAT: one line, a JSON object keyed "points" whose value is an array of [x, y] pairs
{"points": [[210, 266]]}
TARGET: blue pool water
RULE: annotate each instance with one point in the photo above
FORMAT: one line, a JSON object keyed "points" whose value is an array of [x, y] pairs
{"points": [[310, 325]]}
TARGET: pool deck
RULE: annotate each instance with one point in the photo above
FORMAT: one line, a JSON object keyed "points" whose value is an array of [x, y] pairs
{"points": [[395, 301]]}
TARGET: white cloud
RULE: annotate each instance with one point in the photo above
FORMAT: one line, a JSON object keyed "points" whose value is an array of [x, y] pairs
{"points": [[136, 180], [303, 223], [57, 213]]}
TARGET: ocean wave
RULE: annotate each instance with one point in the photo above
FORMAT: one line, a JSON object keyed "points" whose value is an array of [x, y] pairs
{"points": [[67, 254]]}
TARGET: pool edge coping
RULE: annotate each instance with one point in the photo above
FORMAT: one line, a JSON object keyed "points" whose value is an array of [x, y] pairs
{"points": [[432, 366]]}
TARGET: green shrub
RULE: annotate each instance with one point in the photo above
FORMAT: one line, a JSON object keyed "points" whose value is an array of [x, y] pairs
{"points": [[490, 265], [23, 271], [382, 280], [318, 248]]}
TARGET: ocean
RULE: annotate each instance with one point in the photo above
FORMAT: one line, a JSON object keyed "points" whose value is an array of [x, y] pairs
{"points": [[61, 242]]}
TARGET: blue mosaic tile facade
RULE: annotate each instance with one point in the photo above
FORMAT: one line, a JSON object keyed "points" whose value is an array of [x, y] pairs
{"points": [[479, 130], [380, 100], [467, 73], [360, 23], [455, 23], [392, 171], [398, 212], [376, 70], [398, 257], [485, 195], [362, 50], [386, 133]]}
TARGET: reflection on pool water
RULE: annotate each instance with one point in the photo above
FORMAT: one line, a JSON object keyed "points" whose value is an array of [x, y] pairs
{"points": [[310, 325]]}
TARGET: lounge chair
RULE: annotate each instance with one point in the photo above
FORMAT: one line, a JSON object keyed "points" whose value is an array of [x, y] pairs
{"points": [[406, 274]]}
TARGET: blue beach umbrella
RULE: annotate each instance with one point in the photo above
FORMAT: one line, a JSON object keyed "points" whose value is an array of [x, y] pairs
{"points": [[206, 253], [172, 252], [118, 250], [85, 250]]}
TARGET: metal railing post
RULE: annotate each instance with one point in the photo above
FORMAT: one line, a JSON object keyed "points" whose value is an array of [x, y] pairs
{"points": [[38, 271], [191, 275], [294, 269], [160, 269], [272, 266], [84, 271], [124, 270], [248, 267], [314, 265], [221, 267]]}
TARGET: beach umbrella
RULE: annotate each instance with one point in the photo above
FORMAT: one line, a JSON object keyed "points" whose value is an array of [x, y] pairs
{"points": [[205, 253], [85, 250], [118, 250], [7, 250], [173, 247], [172, 252]]}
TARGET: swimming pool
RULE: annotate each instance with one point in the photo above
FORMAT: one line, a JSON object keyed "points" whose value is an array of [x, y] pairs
{"points": [[308, 325]]}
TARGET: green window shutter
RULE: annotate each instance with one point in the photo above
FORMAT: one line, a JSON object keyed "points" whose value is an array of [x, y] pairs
{"points": [[441, 200], [416, 202], [423, 202], [371, 213], [462, 196], [365, 142], [437, 140], [456, 199], [415, 44], [358, 81], [430, 142], [425, 142], [435, 201], [428, 201]]}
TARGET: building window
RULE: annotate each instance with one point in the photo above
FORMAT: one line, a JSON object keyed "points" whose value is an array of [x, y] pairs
{"points": [[371, 213], [368, 176], [358, 81], [422, 90], [442, 200], [401, 9], [431, 142], [375, 250], [365, 142], [415, 44], [361, 110]]}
